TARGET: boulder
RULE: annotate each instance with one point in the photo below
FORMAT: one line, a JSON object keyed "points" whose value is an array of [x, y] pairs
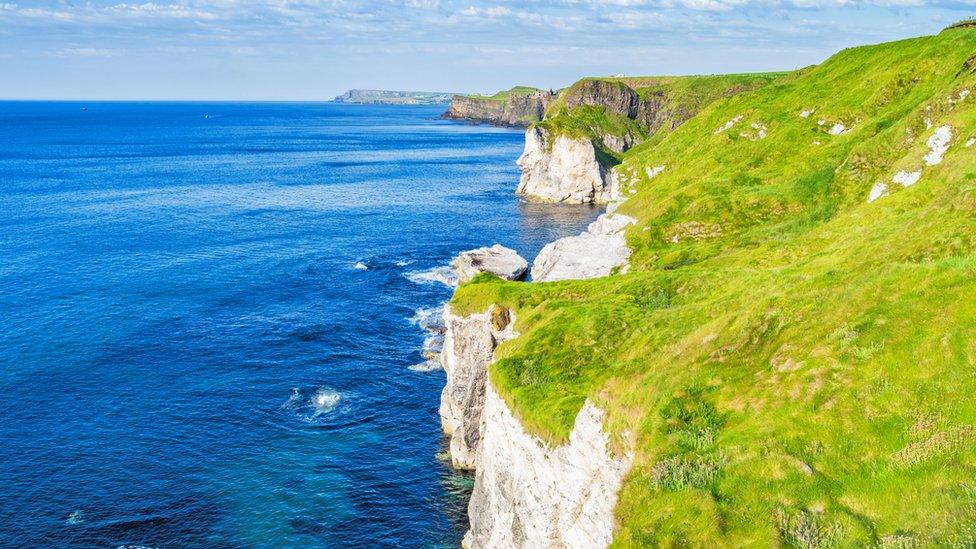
{"points": [[592, 254], [497, 260]]}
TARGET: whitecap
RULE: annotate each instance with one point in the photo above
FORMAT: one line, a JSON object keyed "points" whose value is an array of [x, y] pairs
{"points": [[444, 274], [429, 318], [403, 262], [426, 366], [323, 401], [360, 266], [76, 517]]}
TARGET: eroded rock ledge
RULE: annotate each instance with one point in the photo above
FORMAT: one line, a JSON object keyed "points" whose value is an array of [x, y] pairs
{"points": [[528, 494], [595, 253], [469, 347]]}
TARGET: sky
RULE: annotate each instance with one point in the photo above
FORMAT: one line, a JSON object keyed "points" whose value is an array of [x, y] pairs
{"points": [[316, 49]]}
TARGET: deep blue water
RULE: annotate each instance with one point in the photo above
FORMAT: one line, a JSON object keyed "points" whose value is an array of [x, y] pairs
{"points": [[189, 356]]}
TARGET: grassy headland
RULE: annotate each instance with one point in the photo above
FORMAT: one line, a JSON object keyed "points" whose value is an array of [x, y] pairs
{"points": [[789, 363]]}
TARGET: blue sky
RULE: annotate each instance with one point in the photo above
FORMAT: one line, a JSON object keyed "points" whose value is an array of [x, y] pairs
{"points": [[315, 49]]}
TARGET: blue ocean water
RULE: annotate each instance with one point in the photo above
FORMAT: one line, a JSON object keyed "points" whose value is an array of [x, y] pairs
{"points": [[190, 355]]}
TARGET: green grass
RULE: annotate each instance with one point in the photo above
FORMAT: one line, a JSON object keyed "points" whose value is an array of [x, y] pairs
{"points": [[680, 98], [505, 94], [801, 376]]}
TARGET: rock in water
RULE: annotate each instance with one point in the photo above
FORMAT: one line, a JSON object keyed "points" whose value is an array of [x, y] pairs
{"points": [[497, 260], [567, 170], [592, 254]]}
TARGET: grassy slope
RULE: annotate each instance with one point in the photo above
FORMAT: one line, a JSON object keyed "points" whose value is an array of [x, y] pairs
{"points": [[678, 94], [505, 94], [800, 371]]}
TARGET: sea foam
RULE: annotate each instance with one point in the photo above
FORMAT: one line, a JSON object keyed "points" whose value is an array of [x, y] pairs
{"points": [[444, 275]]}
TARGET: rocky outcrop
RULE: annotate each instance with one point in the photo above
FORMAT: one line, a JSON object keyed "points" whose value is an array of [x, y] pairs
{"points": [[527, 494], [595, 253], [615, 97], [515, 109], [497, 260], [469, 346], [557, 167], [563, 169]]}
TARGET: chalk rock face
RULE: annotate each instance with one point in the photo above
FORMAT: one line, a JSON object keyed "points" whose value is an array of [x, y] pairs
{"points": [[529, 495], [469, 346], [497, 260], [592, 254], [563, 170]]}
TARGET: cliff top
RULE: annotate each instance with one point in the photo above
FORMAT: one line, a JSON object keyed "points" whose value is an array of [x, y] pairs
{"points": [[505, 94], [791, 354]]}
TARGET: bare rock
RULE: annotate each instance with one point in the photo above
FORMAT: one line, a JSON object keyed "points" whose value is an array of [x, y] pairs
{"points": [[562, 170], [592, 254], [497, 260]]}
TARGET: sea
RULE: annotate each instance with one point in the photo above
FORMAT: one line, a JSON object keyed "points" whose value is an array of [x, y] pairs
{"points": [[217, 319]]}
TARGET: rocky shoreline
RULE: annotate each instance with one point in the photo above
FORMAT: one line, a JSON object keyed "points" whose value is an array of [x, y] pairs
{"points": [[526, 493]]}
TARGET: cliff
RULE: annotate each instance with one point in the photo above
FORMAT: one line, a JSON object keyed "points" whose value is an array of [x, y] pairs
{"points": [[527, 493], [787, 358], [569, 156], [390, 97], [519, 106]]}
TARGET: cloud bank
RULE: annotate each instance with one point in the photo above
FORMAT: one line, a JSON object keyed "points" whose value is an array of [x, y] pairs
{"points": [[312, 49]]}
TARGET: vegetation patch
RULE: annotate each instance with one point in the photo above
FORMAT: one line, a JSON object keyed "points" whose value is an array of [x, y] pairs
{"points": [[802, 374]]}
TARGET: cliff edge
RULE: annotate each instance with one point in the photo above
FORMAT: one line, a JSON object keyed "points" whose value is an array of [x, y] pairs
{"points": [[570, 154], [517, 107]]}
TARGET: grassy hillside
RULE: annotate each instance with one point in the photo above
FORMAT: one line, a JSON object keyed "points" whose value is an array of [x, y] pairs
{"points": [[505, 94], [789, 363], [664, 103]]}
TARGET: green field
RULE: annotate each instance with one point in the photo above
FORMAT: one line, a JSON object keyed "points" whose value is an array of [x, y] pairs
{"points": [[789, 364], [680, 96], [505, 94]]}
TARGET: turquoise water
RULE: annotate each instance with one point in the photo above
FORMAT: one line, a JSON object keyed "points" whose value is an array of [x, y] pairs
{"points": [[210, 318]]}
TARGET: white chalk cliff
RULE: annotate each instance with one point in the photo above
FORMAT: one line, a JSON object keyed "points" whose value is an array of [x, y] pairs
{"points": [[469, 346], [562, 170], [526, 493]]}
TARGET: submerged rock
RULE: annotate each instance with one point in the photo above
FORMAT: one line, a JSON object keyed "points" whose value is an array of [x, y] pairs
{"points": [[497, 260], [592, 254]]}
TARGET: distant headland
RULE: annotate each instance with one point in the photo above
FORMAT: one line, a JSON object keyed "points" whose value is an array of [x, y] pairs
{"points": [[389, 97]]}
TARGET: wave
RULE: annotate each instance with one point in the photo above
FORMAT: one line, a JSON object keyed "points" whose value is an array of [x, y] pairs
{"points": [[293, 400], [430, 319], [426, 366], [360, 266], [323, 401], [444, 275], [433, 344]]}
